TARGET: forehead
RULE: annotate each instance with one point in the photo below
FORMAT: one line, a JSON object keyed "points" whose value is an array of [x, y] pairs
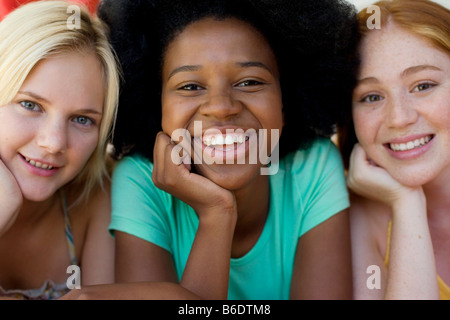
{"points": [[218, 39], [395, 47], [72, 76]]}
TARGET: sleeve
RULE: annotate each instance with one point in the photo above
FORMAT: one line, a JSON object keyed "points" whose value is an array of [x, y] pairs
{"points": [[138, 206], [326, 194]]}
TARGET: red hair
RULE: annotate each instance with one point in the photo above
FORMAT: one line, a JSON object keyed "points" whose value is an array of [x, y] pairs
{"points": [[424, 18]]}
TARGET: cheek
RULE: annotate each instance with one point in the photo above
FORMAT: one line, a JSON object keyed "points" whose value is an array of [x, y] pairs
{"points": [[276, 128], [83, 148], [444, 110], [365, 127], [15, 132], [175, 115], [170, 116], [270, 109]]}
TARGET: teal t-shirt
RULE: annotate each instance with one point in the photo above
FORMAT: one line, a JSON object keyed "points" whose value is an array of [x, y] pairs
{"points": [[308, 188]]}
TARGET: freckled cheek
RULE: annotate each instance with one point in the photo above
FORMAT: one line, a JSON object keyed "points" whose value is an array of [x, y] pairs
{"points": [[366, 128], [444, 112]]}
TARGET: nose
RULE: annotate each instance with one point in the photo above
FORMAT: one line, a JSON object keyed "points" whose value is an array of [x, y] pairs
{"points": [[220, 104], [400, 113], [52, 136]]}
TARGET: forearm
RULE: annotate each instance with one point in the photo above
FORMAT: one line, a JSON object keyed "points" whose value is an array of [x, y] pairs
{"points": [[207, 269], [132, 291], [322, 268], [412, 270], [10, 198]]}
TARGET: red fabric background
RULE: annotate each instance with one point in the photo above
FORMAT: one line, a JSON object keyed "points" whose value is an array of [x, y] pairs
{"points": [[6, 6]]}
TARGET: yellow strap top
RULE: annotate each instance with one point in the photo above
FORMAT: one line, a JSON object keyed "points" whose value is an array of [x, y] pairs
{"points": [[444, 289]]}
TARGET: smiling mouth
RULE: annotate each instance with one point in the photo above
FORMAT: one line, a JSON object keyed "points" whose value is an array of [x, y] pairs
{"points": [[410, 145], [38, 164], [225, 140]]}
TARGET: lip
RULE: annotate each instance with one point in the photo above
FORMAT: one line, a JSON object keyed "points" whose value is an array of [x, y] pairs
{"points": [[39, 171], [413, 153], [234, 154], [409, 138], [222, 130]]}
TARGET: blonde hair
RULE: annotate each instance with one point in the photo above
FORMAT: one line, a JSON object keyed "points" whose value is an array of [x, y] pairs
{"points": [[424, 18], [41, 29]]}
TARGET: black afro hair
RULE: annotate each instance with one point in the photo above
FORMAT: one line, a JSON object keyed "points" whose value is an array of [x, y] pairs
{"points": [[314, 42]]}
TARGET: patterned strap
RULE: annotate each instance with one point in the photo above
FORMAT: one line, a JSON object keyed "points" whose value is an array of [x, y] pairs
{"points": [[68, 230]]}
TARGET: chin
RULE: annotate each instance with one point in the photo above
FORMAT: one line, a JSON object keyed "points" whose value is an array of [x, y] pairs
{"points": [[36, 198], [37, 195], [413, 179], [231, 177]]}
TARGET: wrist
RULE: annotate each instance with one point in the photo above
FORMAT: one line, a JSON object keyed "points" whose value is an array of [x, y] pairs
{"points": [[224, 204], [217, 214], [410, 201]]}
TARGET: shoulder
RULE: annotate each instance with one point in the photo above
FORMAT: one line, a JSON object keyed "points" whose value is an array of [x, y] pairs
{"points": [[319, 153], [132, 172], [368, 211], [133, 165], [369, 222], [97, 206], [319, 163], [89, 219], [133, 191], [315, 180], [369, 233]]}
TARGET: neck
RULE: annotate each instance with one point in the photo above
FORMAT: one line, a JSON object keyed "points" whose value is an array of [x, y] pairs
{"points": [[253, 200], [253, 207], [32, 211]]}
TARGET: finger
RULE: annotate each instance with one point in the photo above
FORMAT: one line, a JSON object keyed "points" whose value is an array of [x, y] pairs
{"points": [[357, 156], [357, 168], [187, 163], [161, 142], [174, 159], [183, 140]]}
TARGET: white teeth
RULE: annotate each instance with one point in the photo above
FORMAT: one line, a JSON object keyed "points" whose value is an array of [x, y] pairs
{"points": [[37, 164], [227, 139], [410, 144]]}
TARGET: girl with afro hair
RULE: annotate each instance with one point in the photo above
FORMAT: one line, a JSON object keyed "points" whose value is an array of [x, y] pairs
{"points": [[228, 184]]}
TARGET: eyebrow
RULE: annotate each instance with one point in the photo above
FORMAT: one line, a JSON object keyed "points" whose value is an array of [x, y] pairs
{"points": [[187, 68], [416, 69], [34, 95], [89, 111], [368, 80], [405, 73], [42, 99], [248, 64], [251, 64]]}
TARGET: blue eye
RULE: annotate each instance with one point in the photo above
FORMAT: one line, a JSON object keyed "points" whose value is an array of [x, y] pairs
{"points": [[85, 121], [31, 106]]}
